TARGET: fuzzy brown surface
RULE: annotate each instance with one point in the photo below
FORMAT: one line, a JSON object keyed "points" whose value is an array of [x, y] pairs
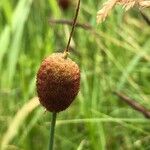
{"points": [[58, 82]]}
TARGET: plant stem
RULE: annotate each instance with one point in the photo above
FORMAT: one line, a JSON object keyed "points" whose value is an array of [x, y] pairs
{"points": [[52, 131], [73, 26]]}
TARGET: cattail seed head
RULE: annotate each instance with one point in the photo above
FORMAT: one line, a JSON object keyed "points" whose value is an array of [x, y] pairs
{"points": [[58, 82]]}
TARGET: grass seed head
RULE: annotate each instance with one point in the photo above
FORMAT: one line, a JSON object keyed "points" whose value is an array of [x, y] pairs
{"points": [[58, 82]]}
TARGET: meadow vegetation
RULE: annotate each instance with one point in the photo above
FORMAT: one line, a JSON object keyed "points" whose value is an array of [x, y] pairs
{"points": [[113, 56]]}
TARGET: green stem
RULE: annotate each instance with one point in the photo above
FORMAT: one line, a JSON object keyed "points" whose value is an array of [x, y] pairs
{"points": [[52, 131]]}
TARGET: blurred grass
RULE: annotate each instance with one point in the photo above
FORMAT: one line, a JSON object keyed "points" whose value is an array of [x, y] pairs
{"points": [[116, 58]]}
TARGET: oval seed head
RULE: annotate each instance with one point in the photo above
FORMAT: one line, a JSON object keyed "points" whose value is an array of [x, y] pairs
{"points": [[58, 82]]}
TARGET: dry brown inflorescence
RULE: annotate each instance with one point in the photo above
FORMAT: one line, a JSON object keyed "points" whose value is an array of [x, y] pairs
{"points": [[127, 4], [58, 82]]}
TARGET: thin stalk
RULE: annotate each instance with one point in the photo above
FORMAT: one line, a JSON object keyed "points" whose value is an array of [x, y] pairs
{"points": [[52, 131], [73, 27]]}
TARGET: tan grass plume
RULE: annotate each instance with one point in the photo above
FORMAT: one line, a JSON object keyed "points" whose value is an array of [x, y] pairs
{"points": [[127, 4]]}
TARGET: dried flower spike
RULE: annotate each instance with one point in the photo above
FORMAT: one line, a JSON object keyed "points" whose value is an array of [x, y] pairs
{"points": [[127, 4], [58, 82], [103, 13]]}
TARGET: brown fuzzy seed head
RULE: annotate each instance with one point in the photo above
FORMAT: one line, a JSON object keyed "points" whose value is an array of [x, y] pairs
{"points": [[58, 82]]}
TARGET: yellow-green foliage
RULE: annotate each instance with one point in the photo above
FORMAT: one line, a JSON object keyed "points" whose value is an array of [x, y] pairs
{"points": [[115, 55]]}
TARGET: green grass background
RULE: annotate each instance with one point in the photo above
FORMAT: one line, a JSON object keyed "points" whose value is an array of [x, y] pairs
{"points": [[117, 58]]}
